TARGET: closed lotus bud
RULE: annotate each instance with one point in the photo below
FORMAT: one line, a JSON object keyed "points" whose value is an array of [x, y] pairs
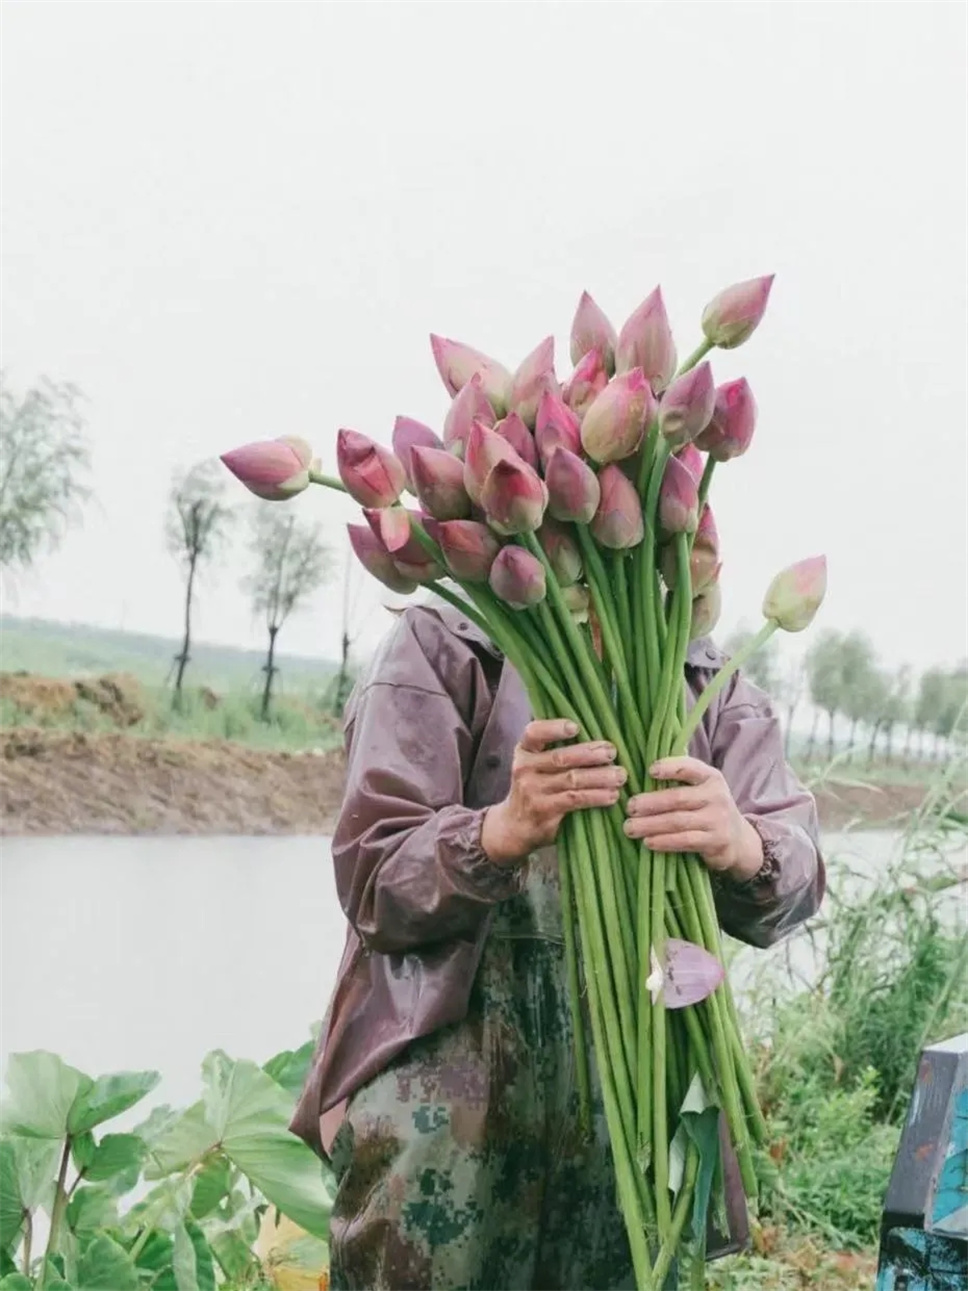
{"points": [[588, 380], [618, 522], [513, 429], [646, 342], [485, 447], [615, 424], [734, 315], [706, 609], [693, 461], [562, 551], [731, 427], [578, 601], [795, 594], [470, 405], [678, 499], [273, 469], [514, 497], [438, 478], [391, 525], [458, 363], [373, 476], [704, 562], [408, 435], [573, 488], [469, 548], [377, 560], [535, 375], [687, 405], [413, 562], [556, 426], [690, 974], [591, 330], [518, 578]]}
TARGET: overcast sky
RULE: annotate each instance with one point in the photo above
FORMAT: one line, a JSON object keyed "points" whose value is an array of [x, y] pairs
{"points": [[232, 221]]}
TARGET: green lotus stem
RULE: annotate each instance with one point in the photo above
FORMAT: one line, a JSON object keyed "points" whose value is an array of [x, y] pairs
{"points": [[569, 915], [623, 964], [327, 481], [718, 682], [704, 483], [680, 621], [667, 1252], [697, 356], [620, 561], [660, 1111], [651, 610]]}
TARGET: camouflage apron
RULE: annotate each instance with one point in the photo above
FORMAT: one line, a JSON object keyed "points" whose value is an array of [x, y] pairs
{"points": [[462, 1165]]}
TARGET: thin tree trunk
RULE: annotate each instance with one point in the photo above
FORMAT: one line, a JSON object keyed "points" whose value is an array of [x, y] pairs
{"points": [[812, 742], [187, 640], [888, 742], [344, 662], [269, 668], [850, 742], [908, 739], [872, 747], [830, 734]]}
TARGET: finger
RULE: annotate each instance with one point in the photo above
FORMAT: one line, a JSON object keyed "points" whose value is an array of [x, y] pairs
{"points": [[663, 800], [688, 770], [673, 822], [580, 799], [690, 840], [592, 754], [538, 735], [582, 778]]}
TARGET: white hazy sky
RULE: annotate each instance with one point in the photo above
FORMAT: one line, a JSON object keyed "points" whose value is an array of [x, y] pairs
{"points": [[232, 221]]}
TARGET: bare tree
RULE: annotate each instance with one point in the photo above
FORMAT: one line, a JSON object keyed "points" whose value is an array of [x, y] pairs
{"points": [[43, 458], [196, 526], [292, 561], [791, 685]]}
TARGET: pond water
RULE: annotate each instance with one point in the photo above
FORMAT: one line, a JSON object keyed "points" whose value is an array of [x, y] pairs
{"points": [[135, 953]]}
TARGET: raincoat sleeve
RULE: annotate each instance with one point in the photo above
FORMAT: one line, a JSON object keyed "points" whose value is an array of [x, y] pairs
{"points": [[747, 747], [410, 868]]}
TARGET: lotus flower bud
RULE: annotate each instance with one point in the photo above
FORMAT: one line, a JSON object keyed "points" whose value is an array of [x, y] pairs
{"points": [[484, 448], [618, 522], [562, 551], [391, 525], [518, 578], [573, 488], [513, 429], [615, 424], [706, 609], [646, 342], [678, 499], [578, 601], [687, 405], [690, 973], [377, 560], [693, 461], [274, 469], [408, 435], [438, 478], [470, 405], [704, 562], [734, 315], [514, 497], [412, 560], [795, 594], [591, 330], [373, 476], [587, 381], [469, 548], [458, 363], [733, 421], [556, 426], [535, 375]]}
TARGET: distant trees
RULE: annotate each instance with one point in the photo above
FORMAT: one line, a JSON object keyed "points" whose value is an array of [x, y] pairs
{"points": [[44, 457]]}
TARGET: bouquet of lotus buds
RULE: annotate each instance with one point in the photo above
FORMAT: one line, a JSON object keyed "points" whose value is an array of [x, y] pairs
{"points": [[571, 523]]}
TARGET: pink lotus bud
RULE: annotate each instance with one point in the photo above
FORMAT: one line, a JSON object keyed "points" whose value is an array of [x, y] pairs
{"points": [[588, 380], [556, 426], [573, 488], [273, 469], [562, 551], [733, 421], [371, 473], [646, 342], [535, 375], [485, 447], [795, 595], [618, 522], [518, 578], [687, 405], [413, 562], [734, 315], [706, 609], [615, 424], [458, 363], [514, 497], [704, 562], [470, 405], [374, 556], [678, 499], [591, 330], [469, 548], [578, 600], [438, 478], [391, 525], [408, 435], [693, 461], [690, 973], [513, 429]]}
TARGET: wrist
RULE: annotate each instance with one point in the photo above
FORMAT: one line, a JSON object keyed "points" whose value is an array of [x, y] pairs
{"points": [[501, 841], [749, 856]]}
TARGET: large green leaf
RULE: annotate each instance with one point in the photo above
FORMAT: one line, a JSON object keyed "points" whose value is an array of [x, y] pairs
{"points": [[212, 1183], [16, 1282], [158, 1123], [235, 1257], [291, 1067], [106, 1266], [699, 1120], [165, 1207], [116, 1154], [109, 1096], [192, 1262], [91, 1208], [42, 1090], [11, 1203], [184, 1141], [27, 1171]]}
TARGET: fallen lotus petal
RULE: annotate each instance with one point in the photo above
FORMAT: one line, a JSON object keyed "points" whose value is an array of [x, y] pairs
{"points": [[796, 593], [518, 578], [646, 342], [730, 430], [693, 461], [468, 547], [556, 426], [513, 429], [438, 478], [591, 330], [574, 491], [535, 375], [734, 315], [485, 448], [391, 525], [377, 560], [706, 609], [656, 978], [678, 499], [560, 547], [687, 405], [588, 380], [373, 476], [470, 405], [514, 497], [408, 435], [615, 424], [458, 363], [691, 974], [618, 522], [273, 469]]}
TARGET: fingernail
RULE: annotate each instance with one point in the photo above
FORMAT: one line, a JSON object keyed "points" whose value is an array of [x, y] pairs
{"points": [[571, 728], [627, 827], [620, 775], [613, 797], [609, 750]]}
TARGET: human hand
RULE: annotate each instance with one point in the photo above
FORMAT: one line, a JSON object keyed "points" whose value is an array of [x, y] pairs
{"points": [[700, 816], [546, 784]]}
